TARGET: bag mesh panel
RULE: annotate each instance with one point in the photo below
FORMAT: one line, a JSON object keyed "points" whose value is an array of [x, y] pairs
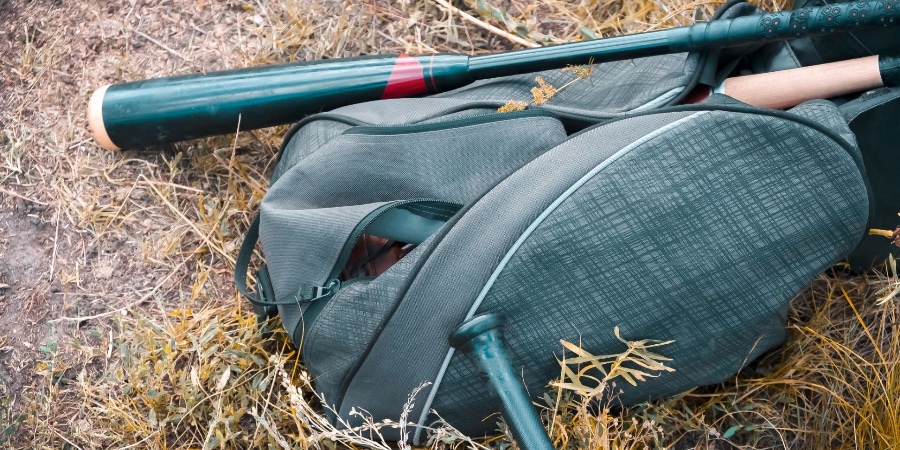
{"points": [[302, 231], [613, 89], [306, 140], [305, 256]]}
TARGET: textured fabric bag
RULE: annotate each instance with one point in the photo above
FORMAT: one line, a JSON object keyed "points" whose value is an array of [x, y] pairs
{"points": [[869, 114], [389, 223], [696, 224]]}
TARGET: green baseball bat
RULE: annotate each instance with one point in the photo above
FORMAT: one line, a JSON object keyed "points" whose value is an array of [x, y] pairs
{"points": [[482, 338], [179, 108]]}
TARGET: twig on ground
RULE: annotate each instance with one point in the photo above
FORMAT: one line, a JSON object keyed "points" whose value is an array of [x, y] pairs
{"points": [[237, 134], [140, 441], [164, 47], [11, 193], [474, 20], [64, 438], [147, 295], [126, 307], [55, 248], [273, 432], [107, 313]]}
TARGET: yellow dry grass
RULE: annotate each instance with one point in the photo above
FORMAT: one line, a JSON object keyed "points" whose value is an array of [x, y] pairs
{"points": [[145, 343]]}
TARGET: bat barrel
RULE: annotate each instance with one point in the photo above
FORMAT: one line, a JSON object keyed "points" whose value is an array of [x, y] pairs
{"points": [[185, 107], [553, 57], [481, 338]]}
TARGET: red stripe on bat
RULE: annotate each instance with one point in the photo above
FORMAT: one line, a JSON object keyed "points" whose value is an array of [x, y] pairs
{"points": [[407, 79]]}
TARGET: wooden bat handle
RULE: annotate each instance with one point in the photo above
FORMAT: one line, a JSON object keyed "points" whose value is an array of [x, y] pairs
{"points": [[787, 88]]}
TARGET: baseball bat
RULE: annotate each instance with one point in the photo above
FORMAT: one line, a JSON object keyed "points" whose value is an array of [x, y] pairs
{"points": [[481, 337], [185, 107]]}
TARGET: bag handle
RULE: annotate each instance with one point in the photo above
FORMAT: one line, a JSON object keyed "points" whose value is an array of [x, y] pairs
{"points": [[263, 299], [261, 306]]}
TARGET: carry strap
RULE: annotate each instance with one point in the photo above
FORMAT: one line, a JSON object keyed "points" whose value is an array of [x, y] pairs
{"points": [[264, 289], [242, 265], [263, 300]]}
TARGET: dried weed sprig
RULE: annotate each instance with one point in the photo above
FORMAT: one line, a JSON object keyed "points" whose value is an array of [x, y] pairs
{"points": [[513, 105], [634, 364], [582, 70], [892, 287], [543, 92], [894, 236]]}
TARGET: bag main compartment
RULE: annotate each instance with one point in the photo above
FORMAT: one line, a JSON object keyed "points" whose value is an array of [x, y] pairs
{"points": [[725, 214], [363, 170], [553, 232]]}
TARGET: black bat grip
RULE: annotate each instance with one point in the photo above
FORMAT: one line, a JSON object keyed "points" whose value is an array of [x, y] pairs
{"points": [[482, 339], [776, 26], [839, 16]]}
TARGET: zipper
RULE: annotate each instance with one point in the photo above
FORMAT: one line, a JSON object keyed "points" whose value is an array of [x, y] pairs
{"points": [[494, 117], [361, 227], [357, 280], [333, 283]]}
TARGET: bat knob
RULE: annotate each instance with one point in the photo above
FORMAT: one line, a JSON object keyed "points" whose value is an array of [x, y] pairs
{"points": [[473, 331], [95, 120], [481, 338]]}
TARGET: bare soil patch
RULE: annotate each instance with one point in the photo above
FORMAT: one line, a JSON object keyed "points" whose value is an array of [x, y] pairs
{"points": [[81, 239]]}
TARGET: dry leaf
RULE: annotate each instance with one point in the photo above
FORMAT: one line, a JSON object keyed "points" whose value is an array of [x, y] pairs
{"points": [[223, 380]]}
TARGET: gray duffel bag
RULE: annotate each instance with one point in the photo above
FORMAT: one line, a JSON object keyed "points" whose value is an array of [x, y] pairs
{"points": [[688, 223]]}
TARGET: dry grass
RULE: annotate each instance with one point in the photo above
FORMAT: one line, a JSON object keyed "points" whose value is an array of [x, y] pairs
{"points": [[835, 384], [121, 329]]}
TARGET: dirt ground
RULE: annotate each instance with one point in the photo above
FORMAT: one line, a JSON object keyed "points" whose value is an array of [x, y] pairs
{"points": [[83, 235]]}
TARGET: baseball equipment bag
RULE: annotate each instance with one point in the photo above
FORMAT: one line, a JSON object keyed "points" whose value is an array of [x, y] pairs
{"points": [[578, 210]]}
